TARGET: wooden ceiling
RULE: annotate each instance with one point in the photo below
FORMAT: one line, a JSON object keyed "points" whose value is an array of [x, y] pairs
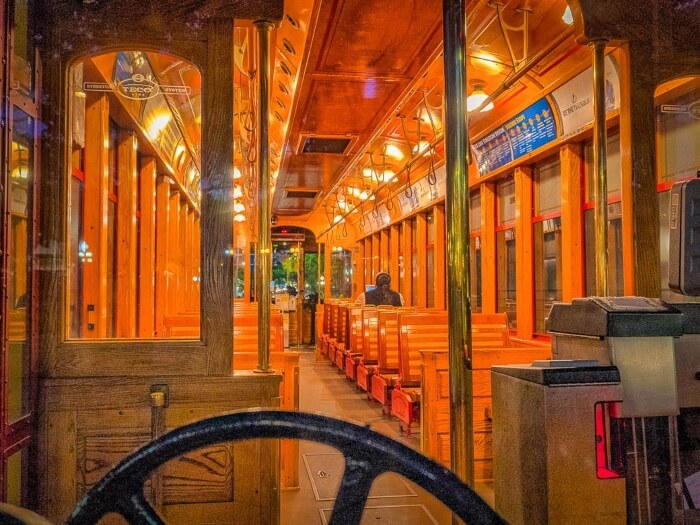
{"points": [[368, 62]]}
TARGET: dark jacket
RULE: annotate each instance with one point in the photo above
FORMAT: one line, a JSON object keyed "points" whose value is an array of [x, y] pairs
{"points": [[382, 295]]}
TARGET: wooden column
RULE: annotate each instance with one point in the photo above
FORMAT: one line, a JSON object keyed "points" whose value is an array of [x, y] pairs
{"points": [[327, 264], [394, 250], [376, 255], [489, 293], [361, 267], [147, 247], [640, 208], [525, 292], [406, 239], [217, 202], [183, 277], [440, 254], [174, 274], [191, 262], [95, 211], [369, 279], [127, 242], [384, 250], [162, 224], [572, 268], [197, 250], [246, 272], [422, 255]]}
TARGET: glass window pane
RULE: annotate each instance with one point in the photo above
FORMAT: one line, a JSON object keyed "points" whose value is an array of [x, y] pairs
{"points": [[124, 132], [666, 293], [680, 140], [548, 187], [506, 278], [18, 279], [430, 274], [475, 211], [506, 201], [475, 262], [23, 60], [341, 273], [548, 285], [615, 270], [16, 478], [614, 168]]}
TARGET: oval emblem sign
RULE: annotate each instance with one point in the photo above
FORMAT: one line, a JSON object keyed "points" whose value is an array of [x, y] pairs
{"points": [[694, 110], [138, 87]]}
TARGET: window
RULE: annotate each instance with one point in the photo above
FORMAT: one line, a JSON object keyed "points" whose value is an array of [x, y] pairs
{"points": [[614, 172], [679, 159], [547, 240], [505, 251], [475, 249], [119, 287]]}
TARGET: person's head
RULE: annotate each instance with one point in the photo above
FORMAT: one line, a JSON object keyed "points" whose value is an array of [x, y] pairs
{"points": [[382, 279]]}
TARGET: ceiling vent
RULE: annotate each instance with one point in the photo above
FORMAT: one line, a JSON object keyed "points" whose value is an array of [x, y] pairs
{"points": [[300, 193], [334, 145]]}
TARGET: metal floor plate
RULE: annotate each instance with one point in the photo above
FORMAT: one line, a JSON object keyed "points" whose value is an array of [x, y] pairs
{"points": [[390, 515], [326, 470]]}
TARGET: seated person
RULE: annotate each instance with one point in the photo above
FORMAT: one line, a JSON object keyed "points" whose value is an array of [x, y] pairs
{"points": [[381, 294]]}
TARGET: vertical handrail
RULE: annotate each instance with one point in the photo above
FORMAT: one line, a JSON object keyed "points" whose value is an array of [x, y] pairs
{"points": [[264, 262], [600, 169], [457, 215]]}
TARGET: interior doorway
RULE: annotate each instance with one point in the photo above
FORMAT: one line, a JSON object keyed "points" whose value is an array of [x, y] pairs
{"points": [[295, 277]]}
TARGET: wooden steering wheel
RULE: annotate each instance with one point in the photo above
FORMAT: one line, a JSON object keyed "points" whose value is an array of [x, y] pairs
{"points": [[367, 455]]}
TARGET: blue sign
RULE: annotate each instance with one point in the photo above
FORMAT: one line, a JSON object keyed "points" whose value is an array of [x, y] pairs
{"points": [[521, 135]]}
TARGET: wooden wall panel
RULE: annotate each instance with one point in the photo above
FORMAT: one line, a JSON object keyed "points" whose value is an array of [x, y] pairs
{"points": [[88, 430], [488, 249], [524, 252], [440, 252], [161, 259], [127, 244], [384, 250], [421, 280], [572, 268], [96, 202], [147, 248], [376, 256], [174, 255], [406, 277]]}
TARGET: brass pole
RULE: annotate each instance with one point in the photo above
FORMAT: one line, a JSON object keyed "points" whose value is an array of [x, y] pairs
{"points": [[457, 215], [600, 166], [264, 262]]}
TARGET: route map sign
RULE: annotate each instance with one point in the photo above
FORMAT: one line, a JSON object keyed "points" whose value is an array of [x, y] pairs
{"points": [[524, 133]]}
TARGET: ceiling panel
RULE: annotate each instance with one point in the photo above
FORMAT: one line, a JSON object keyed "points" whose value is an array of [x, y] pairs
{"points": [[385, 36]]}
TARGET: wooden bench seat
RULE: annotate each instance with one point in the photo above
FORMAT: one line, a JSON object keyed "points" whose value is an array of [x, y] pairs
{"points": [[435, 400], [417, 331]]}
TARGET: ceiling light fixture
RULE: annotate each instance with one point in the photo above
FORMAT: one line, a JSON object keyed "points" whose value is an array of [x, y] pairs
{"points": [[239, 217], [568, 16], [478, 96]]}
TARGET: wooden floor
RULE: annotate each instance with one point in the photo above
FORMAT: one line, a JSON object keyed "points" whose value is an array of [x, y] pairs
{"points": [[323, 389]]}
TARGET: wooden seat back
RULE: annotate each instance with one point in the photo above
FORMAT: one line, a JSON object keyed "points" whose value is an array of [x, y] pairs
{"points": [[355, 318], [419, 331], [388, 339], [327, 318], [333, 327], [343, 323], [369, 333], [489, 330]]}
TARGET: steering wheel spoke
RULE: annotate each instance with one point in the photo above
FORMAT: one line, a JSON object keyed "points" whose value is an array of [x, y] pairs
{"points": [[353, 492], [138, 511]]}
